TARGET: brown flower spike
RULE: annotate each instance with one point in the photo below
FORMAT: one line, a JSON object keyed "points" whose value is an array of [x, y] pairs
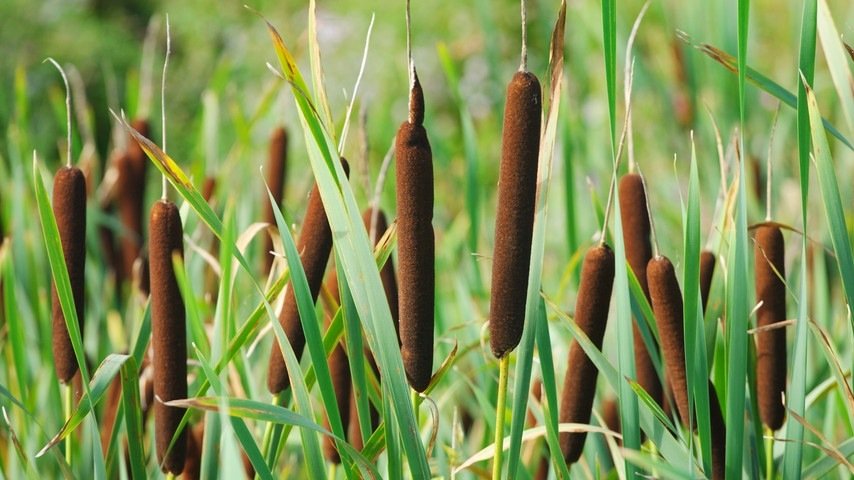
{"points": [[514, 224], [168, 333], [591, 316], [69, 208]]}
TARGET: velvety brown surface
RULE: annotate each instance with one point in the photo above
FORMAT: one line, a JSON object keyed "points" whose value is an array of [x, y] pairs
{"points": [[636, 236], [769, 255], [707, 271], [69, 208], [716, 420], [132, 166], [168, 333], [667, 307], [314, 244], [416, 103], [591, 316], [416, 252], [514, 221], [276, 169], [387, 274], [339, 371]]}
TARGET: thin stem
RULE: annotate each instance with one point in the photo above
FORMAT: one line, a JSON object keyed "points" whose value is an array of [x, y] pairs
{"points": [[651, 220], [768, 167], [67, 111], [268, 436], [69, 400], [503, 370], [416, 403], [163, 97], [523, 66], [769, 453], [410, 64]]}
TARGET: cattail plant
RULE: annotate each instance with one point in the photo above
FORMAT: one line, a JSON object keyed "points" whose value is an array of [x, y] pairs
{"points": [[514, 224], [769, 258], [314, 245], [667, 308], [277, 163], [517, 186], [415, 241], [69, 208], [130, 187], [707, 270], [636, 236], [376, 224], [591, 315], [716, 420], [339, 371], [168, 333], [611, 415], [209, 188]]}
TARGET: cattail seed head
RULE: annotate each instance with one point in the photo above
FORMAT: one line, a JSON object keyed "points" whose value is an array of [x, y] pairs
{"points": [[132, 166], [517, 186], [314, 244], [716, 420], [667, 307], [209, 188], [707, 270], [415, 245], [276, 169], [387, 275], [591, 316], [769, 255], [636, 236], [69, 208], [168, 333], [339, 371]]}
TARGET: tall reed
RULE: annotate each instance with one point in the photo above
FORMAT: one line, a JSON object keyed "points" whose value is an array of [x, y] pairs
{"points": [[514, 221], [591, 316], [769, 259], [69, 208], [667, 308], [415, 242], [339, 372], [277, 165], [707, 270], [634, 215], [168, 333], [314, 244], [132, 166]]}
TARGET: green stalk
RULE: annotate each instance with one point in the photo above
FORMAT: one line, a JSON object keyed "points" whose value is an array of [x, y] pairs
{"points": [[69, 396], [769, 453], [268, 437], [503, 368]]}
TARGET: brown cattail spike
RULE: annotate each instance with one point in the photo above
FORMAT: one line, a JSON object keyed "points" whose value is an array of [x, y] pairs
{"points": [[416, 245], [69, 208], [667, 307], [769, 257], [718, 435], [707, 270], [416, 101], [314, 245], [277, 163], [339, 371], [168, 333], [517, 186], [591, 316], [636, 236], [130, 187], [387, 274]]}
